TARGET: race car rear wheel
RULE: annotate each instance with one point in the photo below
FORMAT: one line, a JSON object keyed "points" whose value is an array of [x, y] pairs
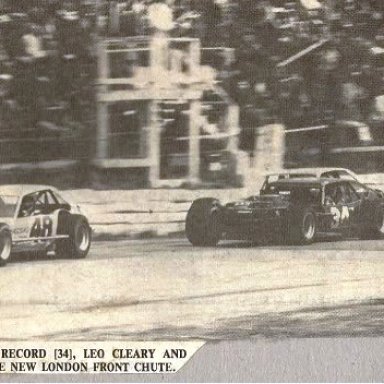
{"points": [[5, 245], [80, 236], [202, 226], [302, 227]]}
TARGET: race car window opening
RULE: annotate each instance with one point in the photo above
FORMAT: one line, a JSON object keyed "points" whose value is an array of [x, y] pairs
{"points": [[61, 203], [351, 195], [8, 206], [331, 195], [34, 204], [49, 202], [58, 198], [28, 205], [340, 194], [51, 199], [41, 202], [359, 188], [52, 202]]}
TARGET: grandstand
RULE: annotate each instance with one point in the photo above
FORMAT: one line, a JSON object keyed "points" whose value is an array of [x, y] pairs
{"points": [[300, 64]]}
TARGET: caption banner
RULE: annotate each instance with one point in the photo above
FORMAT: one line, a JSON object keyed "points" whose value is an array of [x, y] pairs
{"points": [[97, 357]]}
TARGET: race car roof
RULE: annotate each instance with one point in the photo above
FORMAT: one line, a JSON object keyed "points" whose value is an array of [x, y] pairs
{"points": [[315, 171], [307, 182], [23, 189]]}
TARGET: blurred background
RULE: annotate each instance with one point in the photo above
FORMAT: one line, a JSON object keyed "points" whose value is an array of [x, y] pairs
{"points": [[188, 92]]}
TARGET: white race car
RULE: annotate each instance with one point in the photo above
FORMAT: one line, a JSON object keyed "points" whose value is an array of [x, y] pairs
{"points": [[35, 218]]}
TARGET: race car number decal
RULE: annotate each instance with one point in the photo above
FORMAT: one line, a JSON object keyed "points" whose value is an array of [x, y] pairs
{"points": [[340, 216], [20, 231], [42, 227], [344, 214]]}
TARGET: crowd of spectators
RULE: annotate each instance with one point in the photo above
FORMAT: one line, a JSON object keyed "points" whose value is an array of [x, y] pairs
{"points": [[317, 65], [298, 62], [47, 71]]}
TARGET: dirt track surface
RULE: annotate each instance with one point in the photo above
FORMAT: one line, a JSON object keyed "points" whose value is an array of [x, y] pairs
{"points": [[166, 289]]}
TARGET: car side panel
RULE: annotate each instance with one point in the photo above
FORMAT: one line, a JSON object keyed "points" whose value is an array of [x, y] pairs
{"points": [[342, 216], [35, 232]]}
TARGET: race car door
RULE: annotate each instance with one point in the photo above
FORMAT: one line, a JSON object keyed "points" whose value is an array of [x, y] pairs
{"points": [[342, 204], [33, 225]]}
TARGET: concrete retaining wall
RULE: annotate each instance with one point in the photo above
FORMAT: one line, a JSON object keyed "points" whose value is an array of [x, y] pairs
{"points": [[141, 213]]}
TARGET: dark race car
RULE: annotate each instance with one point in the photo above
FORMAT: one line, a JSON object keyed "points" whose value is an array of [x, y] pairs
{"points": [[295, 211]]}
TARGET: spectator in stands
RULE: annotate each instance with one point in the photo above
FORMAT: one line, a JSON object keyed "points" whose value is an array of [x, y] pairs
{"points": [[25, 73], [70, 49], [33, 43]]}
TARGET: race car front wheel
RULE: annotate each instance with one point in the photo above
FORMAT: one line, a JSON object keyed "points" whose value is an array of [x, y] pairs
{"points": [[202, 225], [79, 237], [5, 245], [302, 227]]}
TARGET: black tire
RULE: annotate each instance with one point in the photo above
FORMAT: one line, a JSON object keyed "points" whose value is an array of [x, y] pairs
{"points": [[301, 226], [80, 237], [202, 226], [5, 244], [374, 229]]}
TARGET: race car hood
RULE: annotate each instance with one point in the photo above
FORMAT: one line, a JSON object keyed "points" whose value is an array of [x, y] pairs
{"points": [[260, 202]]}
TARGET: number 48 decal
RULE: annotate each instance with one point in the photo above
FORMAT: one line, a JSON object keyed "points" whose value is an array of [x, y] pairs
{"points": [[42, 227]]}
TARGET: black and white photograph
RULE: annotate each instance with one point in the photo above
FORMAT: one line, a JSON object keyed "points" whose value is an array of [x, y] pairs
{"points": [[204, 171]]}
